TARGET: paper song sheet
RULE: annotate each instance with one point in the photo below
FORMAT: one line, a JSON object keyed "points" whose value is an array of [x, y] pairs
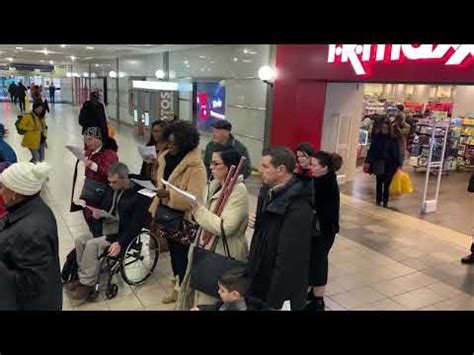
{"points": [[185, 194], [147, 152]]}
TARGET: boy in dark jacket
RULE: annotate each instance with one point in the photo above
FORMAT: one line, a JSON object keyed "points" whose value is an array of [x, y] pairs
{"points": [[280, 250], [233, 286]]}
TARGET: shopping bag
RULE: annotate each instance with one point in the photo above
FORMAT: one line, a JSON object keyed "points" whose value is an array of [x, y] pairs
{"points": [[395, 188], [406, 184]]}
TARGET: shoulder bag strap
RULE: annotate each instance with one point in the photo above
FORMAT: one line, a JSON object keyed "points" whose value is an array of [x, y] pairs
{"points": [[224, 241]]}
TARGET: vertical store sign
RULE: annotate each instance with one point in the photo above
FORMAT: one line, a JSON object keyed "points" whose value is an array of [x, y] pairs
{"points": [[362, 56], [167, 105]]}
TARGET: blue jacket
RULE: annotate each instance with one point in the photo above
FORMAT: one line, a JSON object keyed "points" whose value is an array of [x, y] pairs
{"points": [[7, 151]]}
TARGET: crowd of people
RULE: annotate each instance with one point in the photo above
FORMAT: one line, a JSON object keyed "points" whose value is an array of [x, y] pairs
{"points": [[294, 226]]}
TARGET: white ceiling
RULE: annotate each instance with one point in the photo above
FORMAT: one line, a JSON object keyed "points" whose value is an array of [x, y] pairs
{"points": [[36, 54]]}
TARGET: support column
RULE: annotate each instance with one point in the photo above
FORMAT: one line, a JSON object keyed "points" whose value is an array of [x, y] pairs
{"points": [[269, 102], [117, 89]]}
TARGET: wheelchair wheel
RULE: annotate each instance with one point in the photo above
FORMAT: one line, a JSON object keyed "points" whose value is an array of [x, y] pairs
{"points": [[140, 258], [111, 292]]}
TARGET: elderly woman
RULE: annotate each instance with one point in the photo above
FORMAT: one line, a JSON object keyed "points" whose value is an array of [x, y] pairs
{"points": [[99, 159], [234, 219], [180, 165], [29, 260]]}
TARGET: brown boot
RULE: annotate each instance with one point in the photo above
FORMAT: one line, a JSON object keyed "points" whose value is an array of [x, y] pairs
{"points": [[173, 296], [81, 292]]}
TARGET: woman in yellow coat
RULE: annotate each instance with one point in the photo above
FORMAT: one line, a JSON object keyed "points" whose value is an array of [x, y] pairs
{"points": [[32, 126], [234, 220]]}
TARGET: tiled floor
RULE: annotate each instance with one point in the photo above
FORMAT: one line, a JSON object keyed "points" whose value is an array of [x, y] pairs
{"points": [[382, 260], [455, 203]]}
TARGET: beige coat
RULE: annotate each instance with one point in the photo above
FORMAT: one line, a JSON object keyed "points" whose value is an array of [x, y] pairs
{"points": [[235, 219], [189, 175]]}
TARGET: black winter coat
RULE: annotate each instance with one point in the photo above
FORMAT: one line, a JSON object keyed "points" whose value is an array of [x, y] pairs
{"points": [[132, 211], [386, 148], [92, 114], [29, 259], [326, 203], [280, 250]]}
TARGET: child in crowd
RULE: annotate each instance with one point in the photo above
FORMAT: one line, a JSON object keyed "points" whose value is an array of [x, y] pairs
{"points": [[233, 286]]}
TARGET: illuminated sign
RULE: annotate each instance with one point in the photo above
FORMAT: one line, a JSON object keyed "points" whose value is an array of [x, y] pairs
{"points": [[155, 85], [361, 56]]}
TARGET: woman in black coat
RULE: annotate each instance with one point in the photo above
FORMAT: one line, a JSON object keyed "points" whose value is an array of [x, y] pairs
{"points": [[325, 224], [384, 160], [29, 259]]}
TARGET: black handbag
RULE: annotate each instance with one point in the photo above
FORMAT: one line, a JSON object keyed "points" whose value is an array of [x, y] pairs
{"points": [[208, 266], [94, 192], [470, 188], [168, 218]]}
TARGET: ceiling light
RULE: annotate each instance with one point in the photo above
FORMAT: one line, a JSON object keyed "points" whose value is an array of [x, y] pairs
{"points": [[45, 51], [267, 74], [10, 59], [236, 59], [85, 74], [51, 62], [122, 74], [112, 74], [19, 48], [160, 74], [68, 74], [72, 58], [186, 62], [202, 57], [96, 65], [93, 75], [63, 46], [246, 50], [42, 61], [89, 47]]}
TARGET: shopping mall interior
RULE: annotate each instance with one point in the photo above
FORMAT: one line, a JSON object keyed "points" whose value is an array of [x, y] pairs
{"points": [[403, 257]]}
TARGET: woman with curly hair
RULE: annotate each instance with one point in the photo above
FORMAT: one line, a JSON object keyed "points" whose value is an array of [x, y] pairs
{"points": [[181, 165]]}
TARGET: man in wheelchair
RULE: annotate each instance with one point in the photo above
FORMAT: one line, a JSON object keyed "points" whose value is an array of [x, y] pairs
{"points": [[130, 210]]}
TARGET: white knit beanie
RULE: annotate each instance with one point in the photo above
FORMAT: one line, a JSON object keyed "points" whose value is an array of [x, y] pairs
{"points": [[25, 178]]}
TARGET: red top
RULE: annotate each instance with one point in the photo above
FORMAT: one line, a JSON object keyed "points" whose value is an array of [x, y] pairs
{"points": [[104, 159]]}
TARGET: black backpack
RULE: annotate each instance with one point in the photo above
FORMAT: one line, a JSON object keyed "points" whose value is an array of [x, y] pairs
{"points": [[69, 273]]}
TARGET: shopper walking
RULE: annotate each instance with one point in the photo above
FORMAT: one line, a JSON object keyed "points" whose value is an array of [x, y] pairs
{"points": [[233, 219], [21, 92], [221, 137], [383, 158], [12, 88], [401, 131], [93, 114], [52, 92], [182, 166], [29, 257], [280, 249], [150, 167], [326, 223], [32, 127]]}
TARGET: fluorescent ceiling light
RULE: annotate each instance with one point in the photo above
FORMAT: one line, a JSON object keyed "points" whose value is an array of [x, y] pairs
{"points": [[155, 85]]}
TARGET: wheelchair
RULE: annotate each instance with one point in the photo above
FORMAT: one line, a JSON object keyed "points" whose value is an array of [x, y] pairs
{"points": [[135, 264]]}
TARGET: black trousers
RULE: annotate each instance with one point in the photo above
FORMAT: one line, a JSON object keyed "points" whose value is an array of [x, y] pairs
{"points": [[319, 263], [21, 101], [51, 97], [382, 185], [95, 226], [179, 258]]}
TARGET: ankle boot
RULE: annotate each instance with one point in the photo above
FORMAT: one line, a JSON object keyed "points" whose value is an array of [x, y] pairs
{"points": [[173, 296]]}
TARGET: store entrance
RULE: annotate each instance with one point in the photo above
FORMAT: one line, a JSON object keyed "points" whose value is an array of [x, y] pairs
{"points": [[420, 103]]}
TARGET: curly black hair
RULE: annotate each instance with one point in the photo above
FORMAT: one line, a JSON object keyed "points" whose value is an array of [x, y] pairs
{"points": [[186, 136]]}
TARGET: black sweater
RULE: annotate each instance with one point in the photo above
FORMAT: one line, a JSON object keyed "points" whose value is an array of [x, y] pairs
{"points": [[326, 203]]}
